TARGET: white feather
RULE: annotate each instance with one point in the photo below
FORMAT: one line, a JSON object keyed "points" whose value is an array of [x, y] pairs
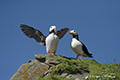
{"points": [[51, 43], [76, 46]]}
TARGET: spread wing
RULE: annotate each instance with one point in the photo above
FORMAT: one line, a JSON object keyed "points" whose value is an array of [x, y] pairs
{"points": [[61, 32], [33, 33]]}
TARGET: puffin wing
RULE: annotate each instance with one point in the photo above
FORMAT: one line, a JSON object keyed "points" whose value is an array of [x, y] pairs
{"points": [[61, 32], [86, 51], [33, 33]]}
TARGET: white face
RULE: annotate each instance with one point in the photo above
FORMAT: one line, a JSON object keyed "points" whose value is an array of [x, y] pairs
{"points": [[52, 28], [73, 32]]}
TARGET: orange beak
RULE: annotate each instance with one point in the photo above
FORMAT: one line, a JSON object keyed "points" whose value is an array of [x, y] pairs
{"points": [[70, 33], [55, 28]]}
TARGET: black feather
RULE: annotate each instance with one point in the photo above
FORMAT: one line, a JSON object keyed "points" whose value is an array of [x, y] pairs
{"points": [[33, 33], [61, 32]]}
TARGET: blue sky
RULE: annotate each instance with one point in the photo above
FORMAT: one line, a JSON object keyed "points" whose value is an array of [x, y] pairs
{"points": [[97, 23]]}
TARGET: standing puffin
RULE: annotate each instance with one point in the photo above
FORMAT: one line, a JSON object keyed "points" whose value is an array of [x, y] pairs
{"points": [[51, 41], [78, 47]]}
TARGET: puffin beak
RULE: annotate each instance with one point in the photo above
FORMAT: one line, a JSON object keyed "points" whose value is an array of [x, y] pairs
{"points": [[55, 28], [70, 33]]}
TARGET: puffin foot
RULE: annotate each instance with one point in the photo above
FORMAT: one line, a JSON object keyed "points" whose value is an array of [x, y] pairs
{"points": [[55, 54], [77, 57], [81, 58]]}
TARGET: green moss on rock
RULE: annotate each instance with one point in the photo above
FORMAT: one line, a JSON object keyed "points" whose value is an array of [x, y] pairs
{"points": [[66, 65], [97, 71], [52, 77]]}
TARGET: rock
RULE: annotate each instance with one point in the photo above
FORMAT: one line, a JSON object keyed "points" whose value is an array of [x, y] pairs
{"points": [[55, 67], [30, 71], [30, 60], [84, 69], [51, 60], [47, 75], [42, 65], [76, 76], [40, 57], [64, 74]]}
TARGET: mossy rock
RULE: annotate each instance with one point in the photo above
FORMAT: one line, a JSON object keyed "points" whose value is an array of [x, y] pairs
{"points": [[97, 71], [66, 65]]}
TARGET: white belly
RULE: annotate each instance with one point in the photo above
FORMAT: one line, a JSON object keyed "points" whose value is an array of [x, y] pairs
{"points": [[52, 43], [76, 46]]}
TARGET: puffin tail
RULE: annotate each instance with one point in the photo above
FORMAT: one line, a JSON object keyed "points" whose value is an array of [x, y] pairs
{"points": [[90, 55]]}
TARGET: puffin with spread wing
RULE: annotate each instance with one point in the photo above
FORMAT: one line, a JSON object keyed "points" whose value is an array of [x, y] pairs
{"points": [[51, 41]]}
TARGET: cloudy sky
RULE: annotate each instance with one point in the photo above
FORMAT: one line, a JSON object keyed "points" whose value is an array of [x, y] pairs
{"points": [[97, 23]]}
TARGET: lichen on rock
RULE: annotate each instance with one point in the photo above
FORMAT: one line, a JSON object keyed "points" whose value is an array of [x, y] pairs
{"points": [[52, 67]]}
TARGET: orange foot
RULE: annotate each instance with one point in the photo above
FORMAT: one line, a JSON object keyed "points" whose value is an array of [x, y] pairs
{"points": [[81, 57], [77, 59], [55, 54]]}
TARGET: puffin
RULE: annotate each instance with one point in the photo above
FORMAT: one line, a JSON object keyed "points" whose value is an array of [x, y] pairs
{"points": [[50, 41], [78, 47]]}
